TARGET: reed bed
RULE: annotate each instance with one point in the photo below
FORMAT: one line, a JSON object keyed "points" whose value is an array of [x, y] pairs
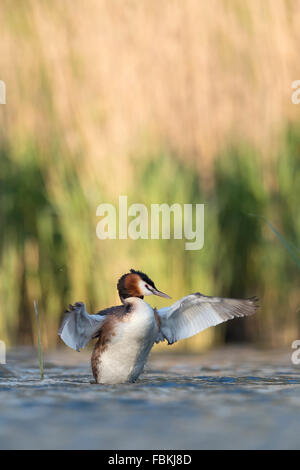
{"points": [[165, 102]]}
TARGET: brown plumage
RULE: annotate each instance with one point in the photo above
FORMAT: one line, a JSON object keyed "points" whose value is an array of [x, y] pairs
{"points": [[131, 284], [128, 284], [105, 335]]}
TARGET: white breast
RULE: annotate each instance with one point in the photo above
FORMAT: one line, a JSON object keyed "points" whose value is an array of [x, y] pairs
{"points": [[127, 352]]}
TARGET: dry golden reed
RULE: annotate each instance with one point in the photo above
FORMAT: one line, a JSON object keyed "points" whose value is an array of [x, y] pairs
{"points": [[191, 73], [95, 90]]}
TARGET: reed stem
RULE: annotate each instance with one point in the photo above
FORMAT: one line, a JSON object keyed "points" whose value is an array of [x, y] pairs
{"points": [[39, 341]]}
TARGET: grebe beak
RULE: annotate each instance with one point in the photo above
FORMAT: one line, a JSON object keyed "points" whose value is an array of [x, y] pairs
{"points": [[161, 294]]}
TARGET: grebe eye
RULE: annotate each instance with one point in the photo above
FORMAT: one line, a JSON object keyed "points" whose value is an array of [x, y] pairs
{"points": [[147, 287]]}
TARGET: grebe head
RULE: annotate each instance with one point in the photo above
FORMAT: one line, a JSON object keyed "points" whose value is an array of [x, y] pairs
{"points": [[137, 284]]}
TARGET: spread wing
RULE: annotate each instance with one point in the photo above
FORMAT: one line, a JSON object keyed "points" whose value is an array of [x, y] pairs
{"points": [[78, 327], [196, 312]]}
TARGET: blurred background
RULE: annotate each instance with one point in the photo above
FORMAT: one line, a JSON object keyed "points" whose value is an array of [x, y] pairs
{"points": [[173, 101]]}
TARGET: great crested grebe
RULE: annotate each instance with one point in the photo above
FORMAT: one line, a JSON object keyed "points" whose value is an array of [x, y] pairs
{"points": [[127, 332]]}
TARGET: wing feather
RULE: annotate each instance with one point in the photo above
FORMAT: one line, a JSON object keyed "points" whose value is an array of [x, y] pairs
{"points": [[78, 327], [196, 312]]}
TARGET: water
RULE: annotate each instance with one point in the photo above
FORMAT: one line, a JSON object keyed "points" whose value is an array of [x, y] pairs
{"points": [[231, 398]]}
